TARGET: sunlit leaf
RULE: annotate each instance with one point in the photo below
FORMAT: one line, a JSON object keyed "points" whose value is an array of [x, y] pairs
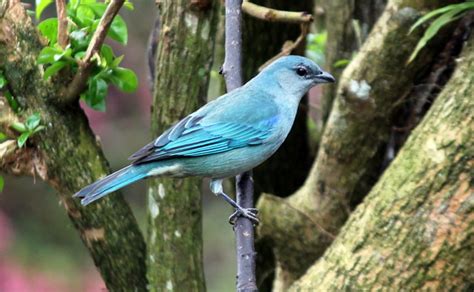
{"points": [[2, 183], [19, 127], [107, 52], [22, 139], [49, 28], [124, 79], [47, 55], [3, 137], [40, 6]]}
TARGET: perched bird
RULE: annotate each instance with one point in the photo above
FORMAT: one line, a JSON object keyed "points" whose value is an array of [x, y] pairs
{"points": [[229, 135]]}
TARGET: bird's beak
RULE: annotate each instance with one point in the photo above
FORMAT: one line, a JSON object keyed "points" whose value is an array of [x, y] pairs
{"points": [[324, 77]]}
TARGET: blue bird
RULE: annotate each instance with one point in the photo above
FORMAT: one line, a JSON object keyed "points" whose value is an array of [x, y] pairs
{"points": [[229, 135]]}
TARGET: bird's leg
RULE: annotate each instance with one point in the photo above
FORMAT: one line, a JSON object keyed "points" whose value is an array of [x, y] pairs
{"points": [[249, 213]]}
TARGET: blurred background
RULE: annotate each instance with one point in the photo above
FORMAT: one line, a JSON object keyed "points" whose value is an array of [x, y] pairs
{"points": [[39, 248]]}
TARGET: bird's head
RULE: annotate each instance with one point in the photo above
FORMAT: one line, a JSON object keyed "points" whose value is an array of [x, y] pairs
{"points": [[295, 74]]}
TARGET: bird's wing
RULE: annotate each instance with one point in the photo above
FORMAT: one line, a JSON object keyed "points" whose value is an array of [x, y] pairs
{"points": [[205, 133]]}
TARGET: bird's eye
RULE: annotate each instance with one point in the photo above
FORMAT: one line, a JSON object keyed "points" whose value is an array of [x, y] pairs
{"points": [[301, 71]]}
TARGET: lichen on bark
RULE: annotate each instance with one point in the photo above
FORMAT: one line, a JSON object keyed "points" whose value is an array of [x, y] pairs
{"points": [[183, 63], [72, 156], [359, 124], [415, 228]]}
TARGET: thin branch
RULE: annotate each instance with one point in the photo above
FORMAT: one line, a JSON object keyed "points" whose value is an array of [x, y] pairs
{"points": [[62, 23], [243, 228], [288, 46], [274, 15], [86, 64]]}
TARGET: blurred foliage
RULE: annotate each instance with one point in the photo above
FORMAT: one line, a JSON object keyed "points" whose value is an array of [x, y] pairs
{"points": [[84, 17], [316, 46], [444, 15]]}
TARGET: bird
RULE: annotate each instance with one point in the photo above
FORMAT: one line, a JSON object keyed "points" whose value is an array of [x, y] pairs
{"points": [[229, 135]]}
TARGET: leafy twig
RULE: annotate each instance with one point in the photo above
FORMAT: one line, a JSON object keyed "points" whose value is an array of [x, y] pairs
{"points": [[243, 228], [86, 64], [62, 23], [275, 15]]}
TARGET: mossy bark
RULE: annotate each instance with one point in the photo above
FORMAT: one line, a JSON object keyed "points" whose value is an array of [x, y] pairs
{"points": [[183, 63], [415, 229], [341, 19], [369, 90], [68, 156]]}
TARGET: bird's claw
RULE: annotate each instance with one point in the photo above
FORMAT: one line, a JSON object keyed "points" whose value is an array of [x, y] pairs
{"points": [[249, 213]]}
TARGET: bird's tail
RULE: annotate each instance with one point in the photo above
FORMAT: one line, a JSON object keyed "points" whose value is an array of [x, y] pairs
{"points": [[112, 182]]}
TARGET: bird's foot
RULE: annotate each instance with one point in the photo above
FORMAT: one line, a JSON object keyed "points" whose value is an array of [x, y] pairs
{"points": [[249, 213]]}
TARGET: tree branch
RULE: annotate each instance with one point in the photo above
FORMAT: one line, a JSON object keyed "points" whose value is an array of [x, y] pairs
{"points": [[86, 64], [62, 23], [289, 46], [70, 157], [416, 225], [351, 150], [274, 15], [243, 228]]}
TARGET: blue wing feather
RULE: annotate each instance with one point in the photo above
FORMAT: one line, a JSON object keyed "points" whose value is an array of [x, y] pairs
{"points": [[204, 140], [208, 131]]}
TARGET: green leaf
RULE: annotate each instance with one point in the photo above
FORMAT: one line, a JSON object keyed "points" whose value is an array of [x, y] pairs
{"points": [[341, 63], [53, 69], [3, 137], [3, 81], [85, 15], [118, 30], [40, 6], [107, 52], [433, 29], [49, 28], [79, 55], [96, 93], [12, 101], [116, 62], [124, 79], [460, 7], [128, 5], [19, 127], [2, 183], [39, 128], [33, 121], [47, 55], [22, 139]]}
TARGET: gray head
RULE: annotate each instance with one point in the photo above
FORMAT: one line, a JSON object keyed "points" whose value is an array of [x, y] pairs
{"points": [[294, 74]]}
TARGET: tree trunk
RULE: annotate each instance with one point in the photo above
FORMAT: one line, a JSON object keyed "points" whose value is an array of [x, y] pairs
{"points": [[348, 24], [416, 227], [302, 226], [183, 62], [67, 155]]}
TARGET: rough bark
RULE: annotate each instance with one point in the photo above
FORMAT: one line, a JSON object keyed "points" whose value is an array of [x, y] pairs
{"points": [[343, 41], [183, 62], [68, 156], [358, 127], [416, 227]]}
